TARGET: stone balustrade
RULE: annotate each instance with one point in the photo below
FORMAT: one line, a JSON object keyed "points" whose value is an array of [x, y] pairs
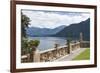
{"points": [[85, 44], [55, 53], [75, 46], [52, 54]]}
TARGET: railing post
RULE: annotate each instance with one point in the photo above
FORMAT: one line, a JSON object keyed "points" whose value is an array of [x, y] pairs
{"points": [[28, 57], [69, 46], [36, 56], [81, 39], [56, 47], [31, 56]]}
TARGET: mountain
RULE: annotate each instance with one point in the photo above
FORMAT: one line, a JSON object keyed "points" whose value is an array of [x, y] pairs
{"points": [[35, 31], [74, 30]]}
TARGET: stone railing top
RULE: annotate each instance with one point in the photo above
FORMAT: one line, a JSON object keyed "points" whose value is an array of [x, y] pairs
{"points": [[75, 43], [57, 48], [85, 41], [53, 49], [24, 56]]}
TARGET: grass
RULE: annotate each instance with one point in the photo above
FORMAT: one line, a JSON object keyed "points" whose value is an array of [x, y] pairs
{"points": [[85, 55]]}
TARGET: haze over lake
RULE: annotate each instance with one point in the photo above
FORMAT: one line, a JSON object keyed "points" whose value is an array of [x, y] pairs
{"points": [[49, 42]]}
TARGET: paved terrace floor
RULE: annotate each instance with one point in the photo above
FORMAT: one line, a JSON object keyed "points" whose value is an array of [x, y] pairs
{"points": [[72, 55]]}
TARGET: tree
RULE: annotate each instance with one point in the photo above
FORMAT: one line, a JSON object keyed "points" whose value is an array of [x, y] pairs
{"points": [[24, 24], [24, 46], [27, 46]]}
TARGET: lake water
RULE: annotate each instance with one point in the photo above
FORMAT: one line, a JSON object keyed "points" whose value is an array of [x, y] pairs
{"points": [[49, 42]]}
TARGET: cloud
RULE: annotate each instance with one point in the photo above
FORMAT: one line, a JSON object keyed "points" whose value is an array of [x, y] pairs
{"points": [[50, 19]]}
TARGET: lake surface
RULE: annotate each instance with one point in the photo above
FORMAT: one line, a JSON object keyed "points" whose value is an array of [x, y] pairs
{"points": [[49, 42]]}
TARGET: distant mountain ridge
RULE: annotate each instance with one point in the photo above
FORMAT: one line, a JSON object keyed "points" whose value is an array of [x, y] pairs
{"points": [[35, 31], [75, 29], [63, 31]]}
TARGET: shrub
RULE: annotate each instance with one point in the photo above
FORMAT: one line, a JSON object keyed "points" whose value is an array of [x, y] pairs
{"points": [[27, 46]]}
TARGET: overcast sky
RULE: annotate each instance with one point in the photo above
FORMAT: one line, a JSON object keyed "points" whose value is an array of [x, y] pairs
{"points": [[53, 19]]}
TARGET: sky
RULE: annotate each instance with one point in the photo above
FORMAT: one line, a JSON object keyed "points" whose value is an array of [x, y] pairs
{"points": [[53, 19]]}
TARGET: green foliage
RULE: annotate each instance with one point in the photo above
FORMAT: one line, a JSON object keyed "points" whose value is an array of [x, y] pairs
{"points": [[34, 42], [27, 45], [24, 43], [24, 46], [24, 24]]}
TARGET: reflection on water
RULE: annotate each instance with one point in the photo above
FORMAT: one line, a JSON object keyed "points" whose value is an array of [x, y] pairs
{"points": [[49, 42]]}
